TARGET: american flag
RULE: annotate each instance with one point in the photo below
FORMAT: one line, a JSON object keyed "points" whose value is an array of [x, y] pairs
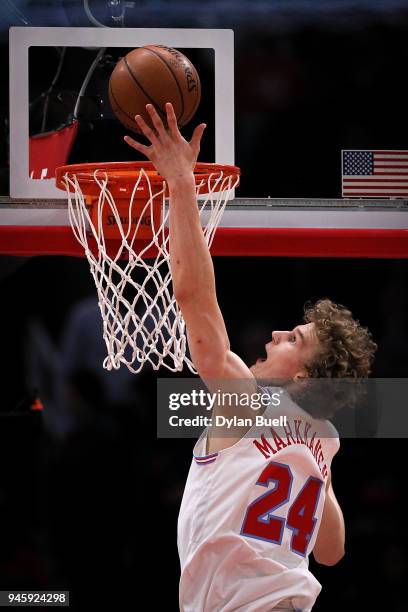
{"points": [[379, 174]]}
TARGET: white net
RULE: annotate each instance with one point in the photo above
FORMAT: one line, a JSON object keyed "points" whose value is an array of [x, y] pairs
{"points": [[141, 319]]}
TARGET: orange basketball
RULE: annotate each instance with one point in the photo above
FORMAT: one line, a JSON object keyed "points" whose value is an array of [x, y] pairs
{"points": [[154, 74]]}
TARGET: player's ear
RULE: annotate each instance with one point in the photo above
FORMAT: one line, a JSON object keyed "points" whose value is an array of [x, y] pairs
{"points": [[300, 376]]}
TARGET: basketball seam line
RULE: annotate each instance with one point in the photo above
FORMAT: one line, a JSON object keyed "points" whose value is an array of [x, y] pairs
{"points": [[155, 104], [175, 78]]}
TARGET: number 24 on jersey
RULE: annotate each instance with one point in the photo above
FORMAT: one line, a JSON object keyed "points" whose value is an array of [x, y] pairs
{"points": [[262, 524]]}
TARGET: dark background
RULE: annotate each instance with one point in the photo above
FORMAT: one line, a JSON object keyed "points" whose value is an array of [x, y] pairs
{"points": [[88, 497]]}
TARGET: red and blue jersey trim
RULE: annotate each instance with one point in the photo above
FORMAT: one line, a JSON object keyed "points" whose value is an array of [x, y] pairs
{"points": [[206, 459]]}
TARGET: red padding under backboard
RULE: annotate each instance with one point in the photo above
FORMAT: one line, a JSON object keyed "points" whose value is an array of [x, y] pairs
{"points": [[245, 242]]}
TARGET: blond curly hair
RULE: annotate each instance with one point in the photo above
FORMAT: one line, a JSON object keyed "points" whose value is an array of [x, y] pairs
{"points": [[339, 368], [346, 348]]}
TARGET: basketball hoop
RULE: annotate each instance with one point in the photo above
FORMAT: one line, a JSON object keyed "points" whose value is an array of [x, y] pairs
{"points": [[119, 214]]}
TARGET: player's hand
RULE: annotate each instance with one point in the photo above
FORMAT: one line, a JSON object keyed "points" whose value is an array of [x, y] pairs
{"points": [[172, 156]]}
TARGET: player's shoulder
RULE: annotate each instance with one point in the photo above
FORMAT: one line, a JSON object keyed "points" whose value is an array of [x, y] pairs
{"points": [[289, 407]]}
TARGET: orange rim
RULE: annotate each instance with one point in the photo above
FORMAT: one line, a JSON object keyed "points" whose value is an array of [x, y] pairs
{"points": [[122, 173]]}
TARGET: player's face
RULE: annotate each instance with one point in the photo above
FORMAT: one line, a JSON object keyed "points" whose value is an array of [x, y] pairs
{"points": [[287, 353]]}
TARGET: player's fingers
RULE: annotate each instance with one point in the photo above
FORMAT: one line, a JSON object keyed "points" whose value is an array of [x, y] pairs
{"points": [[146, 130], [136, 145], [197, 135], [157, 122], [172, 120]]}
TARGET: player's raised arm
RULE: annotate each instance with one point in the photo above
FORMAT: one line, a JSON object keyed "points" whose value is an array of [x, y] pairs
{"points": [[191, 264]]}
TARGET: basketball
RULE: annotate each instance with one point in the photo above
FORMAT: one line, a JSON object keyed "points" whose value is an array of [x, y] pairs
{"points": [[154, 74]]}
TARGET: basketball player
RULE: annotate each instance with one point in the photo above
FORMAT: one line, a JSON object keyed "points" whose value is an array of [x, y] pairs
{"points": [[256, 504]]}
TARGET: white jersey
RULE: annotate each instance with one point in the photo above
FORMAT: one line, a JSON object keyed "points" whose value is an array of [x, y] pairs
{"points": [[250, 515]]}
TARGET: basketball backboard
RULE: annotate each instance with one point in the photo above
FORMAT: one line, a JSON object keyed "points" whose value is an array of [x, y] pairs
{"points": [[35, 219], [72, 57], [249, 227]]}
